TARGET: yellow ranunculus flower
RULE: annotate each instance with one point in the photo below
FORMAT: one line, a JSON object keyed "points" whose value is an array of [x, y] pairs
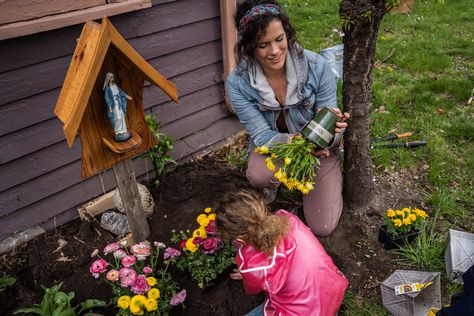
{"points": [[123, 302], [390, 213], [407, 221], [287, 161], [151, 281], [154, 293], [151, 305], [264, 150], [201, 231], [190, 246], [397, 222], [202, 220], [136, 304], [207, 210], [211, 217]]}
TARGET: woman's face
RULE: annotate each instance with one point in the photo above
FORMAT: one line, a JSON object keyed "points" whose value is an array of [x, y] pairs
{"points": [[272, 47]]}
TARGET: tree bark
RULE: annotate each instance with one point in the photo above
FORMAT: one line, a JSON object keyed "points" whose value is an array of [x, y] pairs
{"points": [[359, 54]]}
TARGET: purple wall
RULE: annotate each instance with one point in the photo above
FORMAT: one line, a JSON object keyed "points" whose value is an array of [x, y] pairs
{"points": [[39, 175]]}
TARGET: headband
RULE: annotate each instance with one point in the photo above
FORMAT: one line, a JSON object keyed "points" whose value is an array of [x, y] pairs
{"points": [[257, 10]]}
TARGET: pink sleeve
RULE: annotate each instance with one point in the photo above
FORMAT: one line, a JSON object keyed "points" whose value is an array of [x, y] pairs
{"points": [[253, 282]]}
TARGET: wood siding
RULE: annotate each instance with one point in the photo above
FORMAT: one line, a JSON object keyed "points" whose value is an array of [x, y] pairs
{"points": [[40, 179]]}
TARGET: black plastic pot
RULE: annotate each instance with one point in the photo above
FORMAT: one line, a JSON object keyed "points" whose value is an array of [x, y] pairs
{"points": [[390, 242]]}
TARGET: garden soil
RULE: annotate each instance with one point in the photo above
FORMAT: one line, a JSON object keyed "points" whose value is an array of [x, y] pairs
{"points": [[63, 254]]}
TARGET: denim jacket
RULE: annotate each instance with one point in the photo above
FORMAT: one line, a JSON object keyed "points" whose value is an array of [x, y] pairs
{"points": [[311, 85]]}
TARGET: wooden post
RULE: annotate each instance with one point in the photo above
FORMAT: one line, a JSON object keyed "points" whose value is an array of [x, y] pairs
{"points": [[127, 186]]}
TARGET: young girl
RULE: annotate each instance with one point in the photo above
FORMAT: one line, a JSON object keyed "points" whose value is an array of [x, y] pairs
{"points": [[281, 256]]}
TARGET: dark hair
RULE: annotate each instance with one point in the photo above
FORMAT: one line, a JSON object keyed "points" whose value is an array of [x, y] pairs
{"points": [[245, 47], [244, 215]]}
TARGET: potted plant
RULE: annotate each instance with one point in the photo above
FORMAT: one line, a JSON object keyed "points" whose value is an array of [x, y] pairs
{"points": [[401, 226]]}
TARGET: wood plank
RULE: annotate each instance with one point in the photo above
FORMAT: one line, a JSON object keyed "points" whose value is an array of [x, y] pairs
{"points": [[27, 141], [196, 121], [70, 18], [66, 199], [127, 186], [175, 14], [23, 10], [37, 164], [168, 112]]}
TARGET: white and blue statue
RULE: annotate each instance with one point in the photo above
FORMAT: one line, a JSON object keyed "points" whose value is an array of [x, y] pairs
{"points": [[116, 107]]}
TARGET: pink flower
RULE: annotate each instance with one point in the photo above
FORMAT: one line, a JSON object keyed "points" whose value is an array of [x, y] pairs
{"points": [[182, 244], [210, 245], [147, 270], [128, 261], [171, 253], [127, 277], [211, 228], [140, 286], [141, 250], [178, 298], [97, 267], [159, 244], [119, 254], [111, 248], [112, 275], [198, 240]]}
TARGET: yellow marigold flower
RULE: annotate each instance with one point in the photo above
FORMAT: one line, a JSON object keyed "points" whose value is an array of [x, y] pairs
{"points": [[264, 150], [420, 213], [407, 221], [412, 217], [207, 210], [390, 213], [202, 220], [211, 217], [400, 212], [190, 245], [151, 305], [136, 304], [123, 302], [287, 160], [309, 186], [201, 232], [397, 222], [274, 156], [406, 210], [151, 281], [154, 293]]}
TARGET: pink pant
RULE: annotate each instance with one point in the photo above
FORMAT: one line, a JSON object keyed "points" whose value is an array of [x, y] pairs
{"points": [[322, 206]]}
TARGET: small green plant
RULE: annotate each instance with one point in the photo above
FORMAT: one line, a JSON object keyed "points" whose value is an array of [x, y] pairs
{"points": [[57, 303], [368, 15], [346, 22], [404, 221], [6, 281], [159, 154], [237, 159], [425, 254]]}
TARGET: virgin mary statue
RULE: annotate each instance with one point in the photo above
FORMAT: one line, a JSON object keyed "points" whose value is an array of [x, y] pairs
{"points": [[116, 107]]}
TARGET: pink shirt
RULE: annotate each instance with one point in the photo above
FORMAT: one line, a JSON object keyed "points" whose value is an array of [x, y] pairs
{"points": [[299, 278]]}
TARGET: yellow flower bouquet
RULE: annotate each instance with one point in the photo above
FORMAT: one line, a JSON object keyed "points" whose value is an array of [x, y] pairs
{"points": [[401, 225], [292, 162]]}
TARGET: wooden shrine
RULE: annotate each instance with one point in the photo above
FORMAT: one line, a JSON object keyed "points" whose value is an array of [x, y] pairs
{"points": [[92, 104], [81, 106]]}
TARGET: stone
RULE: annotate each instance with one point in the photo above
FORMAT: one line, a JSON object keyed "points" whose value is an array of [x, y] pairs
{"points": [[114, 222], [146, 197]]}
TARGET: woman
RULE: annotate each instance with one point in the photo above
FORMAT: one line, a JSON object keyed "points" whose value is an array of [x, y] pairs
{"points": [[276, 89], [280, 256]]}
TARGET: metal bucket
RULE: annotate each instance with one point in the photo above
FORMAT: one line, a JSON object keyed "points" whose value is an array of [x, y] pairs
{"points": [[320, 130]]}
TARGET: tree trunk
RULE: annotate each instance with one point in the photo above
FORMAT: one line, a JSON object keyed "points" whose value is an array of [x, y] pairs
{"points": [[359, 54]]}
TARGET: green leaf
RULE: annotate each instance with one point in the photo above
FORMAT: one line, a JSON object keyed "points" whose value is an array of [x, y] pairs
{"points": [[6, 281], [33, 310], [90, 303]]}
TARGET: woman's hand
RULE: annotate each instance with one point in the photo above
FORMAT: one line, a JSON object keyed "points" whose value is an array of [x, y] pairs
{"points": [[341, 124], [235, 275]]}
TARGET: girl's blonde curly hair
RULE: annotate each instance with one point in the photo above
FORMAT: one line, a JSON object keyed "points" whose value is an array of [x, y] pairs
{"points": [[244, 215]]}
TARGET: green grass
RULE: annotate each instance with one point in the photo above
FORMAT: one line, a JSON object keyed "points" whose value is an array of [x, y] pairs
{"points": [[423, 77]]}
